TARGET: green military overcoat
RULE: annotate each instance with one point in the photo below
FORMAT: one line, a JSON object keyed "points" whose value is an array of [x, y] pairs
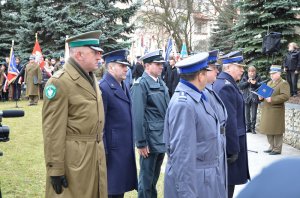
{"points": [[273, 114], [73, 120], [32, 79]]}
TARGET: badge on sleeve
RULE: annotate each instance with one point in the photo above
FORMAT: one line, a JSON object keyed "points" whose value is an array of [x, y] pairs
{"points": [[50, 91]]}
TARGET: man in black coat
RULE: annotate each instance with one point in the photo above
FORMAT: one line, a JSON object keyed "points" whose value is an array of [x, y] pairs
{"points": [[138, 69], [171, 76], [250, 82], [292, 67]]}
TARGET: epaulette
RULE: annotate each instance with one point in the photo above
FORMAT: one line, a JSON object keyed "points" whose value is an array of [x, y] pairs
{"points": [[227, 82], [137, 81], [58, 74], [182, 96]]}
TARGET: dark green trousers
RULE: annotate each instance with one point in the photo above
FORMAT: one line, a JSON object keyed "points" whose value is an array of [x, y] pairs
{"points": [[149, 174]]}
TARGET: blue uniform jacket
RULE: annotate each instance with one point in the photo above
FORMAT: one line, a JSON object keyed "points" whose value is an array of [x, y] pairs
{"points": [[193, 142], [118, 137], [226, 87], [236, 140]]}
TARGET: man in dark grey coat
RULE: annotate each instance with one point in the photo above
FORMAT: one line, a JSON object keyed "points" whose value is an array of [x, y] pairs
{"points": [[150, 99]]}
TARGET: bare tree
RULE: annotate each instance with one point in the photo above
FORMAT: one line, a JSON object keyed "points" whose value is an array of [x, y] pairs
{"points": [[175, 16]]}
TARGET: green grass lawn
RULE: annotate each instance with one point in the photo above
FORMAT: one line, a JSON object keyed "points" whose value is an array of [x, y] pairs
{"points": [[22, 167]]}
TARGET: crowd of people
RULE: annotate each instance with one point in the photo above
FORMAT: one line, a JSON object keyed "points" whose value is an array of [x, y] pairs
{"points": [[98, 107], [30, 80]]}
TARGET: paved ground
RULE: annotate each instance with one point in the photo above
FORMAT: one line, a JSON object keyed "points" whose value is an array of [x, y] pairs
{"points": [[260, 160]]}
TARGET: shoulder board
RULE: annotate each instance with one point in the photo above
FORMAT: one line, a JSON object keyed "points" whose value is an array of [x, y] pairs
{"points": [[227, 82], [137, 81], [182, 96], [58, 74]]}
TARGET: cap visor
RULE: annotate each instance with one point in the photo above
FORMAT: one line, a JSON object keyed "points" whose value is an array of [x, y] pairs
{"points": [[238, 64], [159, 61], [123, 63], [97, 49]]}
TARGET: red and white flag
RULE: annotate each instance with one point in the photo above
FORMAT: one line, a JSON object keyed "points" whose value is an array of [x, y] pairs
{"points": [[37, 52]]}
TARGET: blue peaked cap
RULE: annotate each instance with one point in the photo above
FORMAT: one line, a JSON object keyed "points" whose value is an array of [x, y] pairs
{"points": [[232, 57], [117, 56], [193, 63]]}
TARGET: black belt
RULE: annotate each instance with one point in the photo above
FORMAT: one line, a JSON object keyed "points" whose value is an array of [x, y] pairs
{"points": [[222, 130]]}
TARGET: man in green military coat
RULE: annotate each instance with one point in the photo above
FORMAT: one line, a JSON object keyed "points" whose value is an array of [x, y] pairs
{"points": [[73, 120], [273, 112], [150, 98], [32, 79]]}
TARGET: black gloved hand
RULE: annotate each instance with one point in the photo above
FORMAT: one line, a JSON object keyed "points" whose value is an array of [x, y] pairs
{"points": [[57, 183], [232, 158]]}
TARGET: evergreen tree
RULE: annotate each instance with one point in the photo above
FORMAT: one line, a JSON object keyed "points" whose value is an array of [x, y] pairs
{"points": [[259, 17], [221, 37], [9, 22], [54, 19]]}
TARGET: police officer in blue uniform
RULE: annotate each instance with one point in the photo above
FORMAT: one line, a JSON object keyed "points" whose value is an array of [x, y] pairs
{"points": [[219, 108], [236, 144], [118, 129], [192, 136], [150, 99]]}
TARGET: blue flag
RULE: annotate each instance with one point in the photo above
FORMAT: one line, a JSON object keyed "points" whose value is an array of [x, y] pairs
{"points": [[168, 49], [183, 53]]}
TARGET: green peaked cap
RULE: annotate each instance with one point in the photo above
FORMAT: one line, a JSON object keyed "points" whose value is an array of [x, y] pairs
{"points": [[88, 39]]}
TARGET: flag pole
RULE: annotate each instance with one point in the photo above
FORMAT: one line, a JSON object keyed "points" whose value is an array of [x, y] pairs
{"points": [[36, 36], [10, 54], [67, 51]]}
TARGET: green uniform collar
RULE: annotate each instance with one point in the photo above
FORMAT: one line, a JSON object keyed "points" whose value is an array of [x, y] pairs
{"points": [[87, 76]]}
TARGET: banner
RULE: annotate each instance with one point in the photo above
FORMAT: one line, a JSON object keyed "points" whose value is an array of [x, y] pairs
{"points": [[12, 71], [37, 52], [67, 51], [183, 53], [168, 49]]}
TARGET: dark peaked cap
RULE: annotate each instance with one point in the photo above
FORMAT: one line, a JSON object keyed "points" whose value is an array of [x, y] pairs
{"points": [[153, 57]]}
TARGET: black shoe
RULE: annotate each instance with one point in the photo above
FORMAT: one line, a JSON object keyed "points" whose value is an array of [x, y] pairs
{"points": [[274, 153], [248, 131], [253, 131], [268, 151]]}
